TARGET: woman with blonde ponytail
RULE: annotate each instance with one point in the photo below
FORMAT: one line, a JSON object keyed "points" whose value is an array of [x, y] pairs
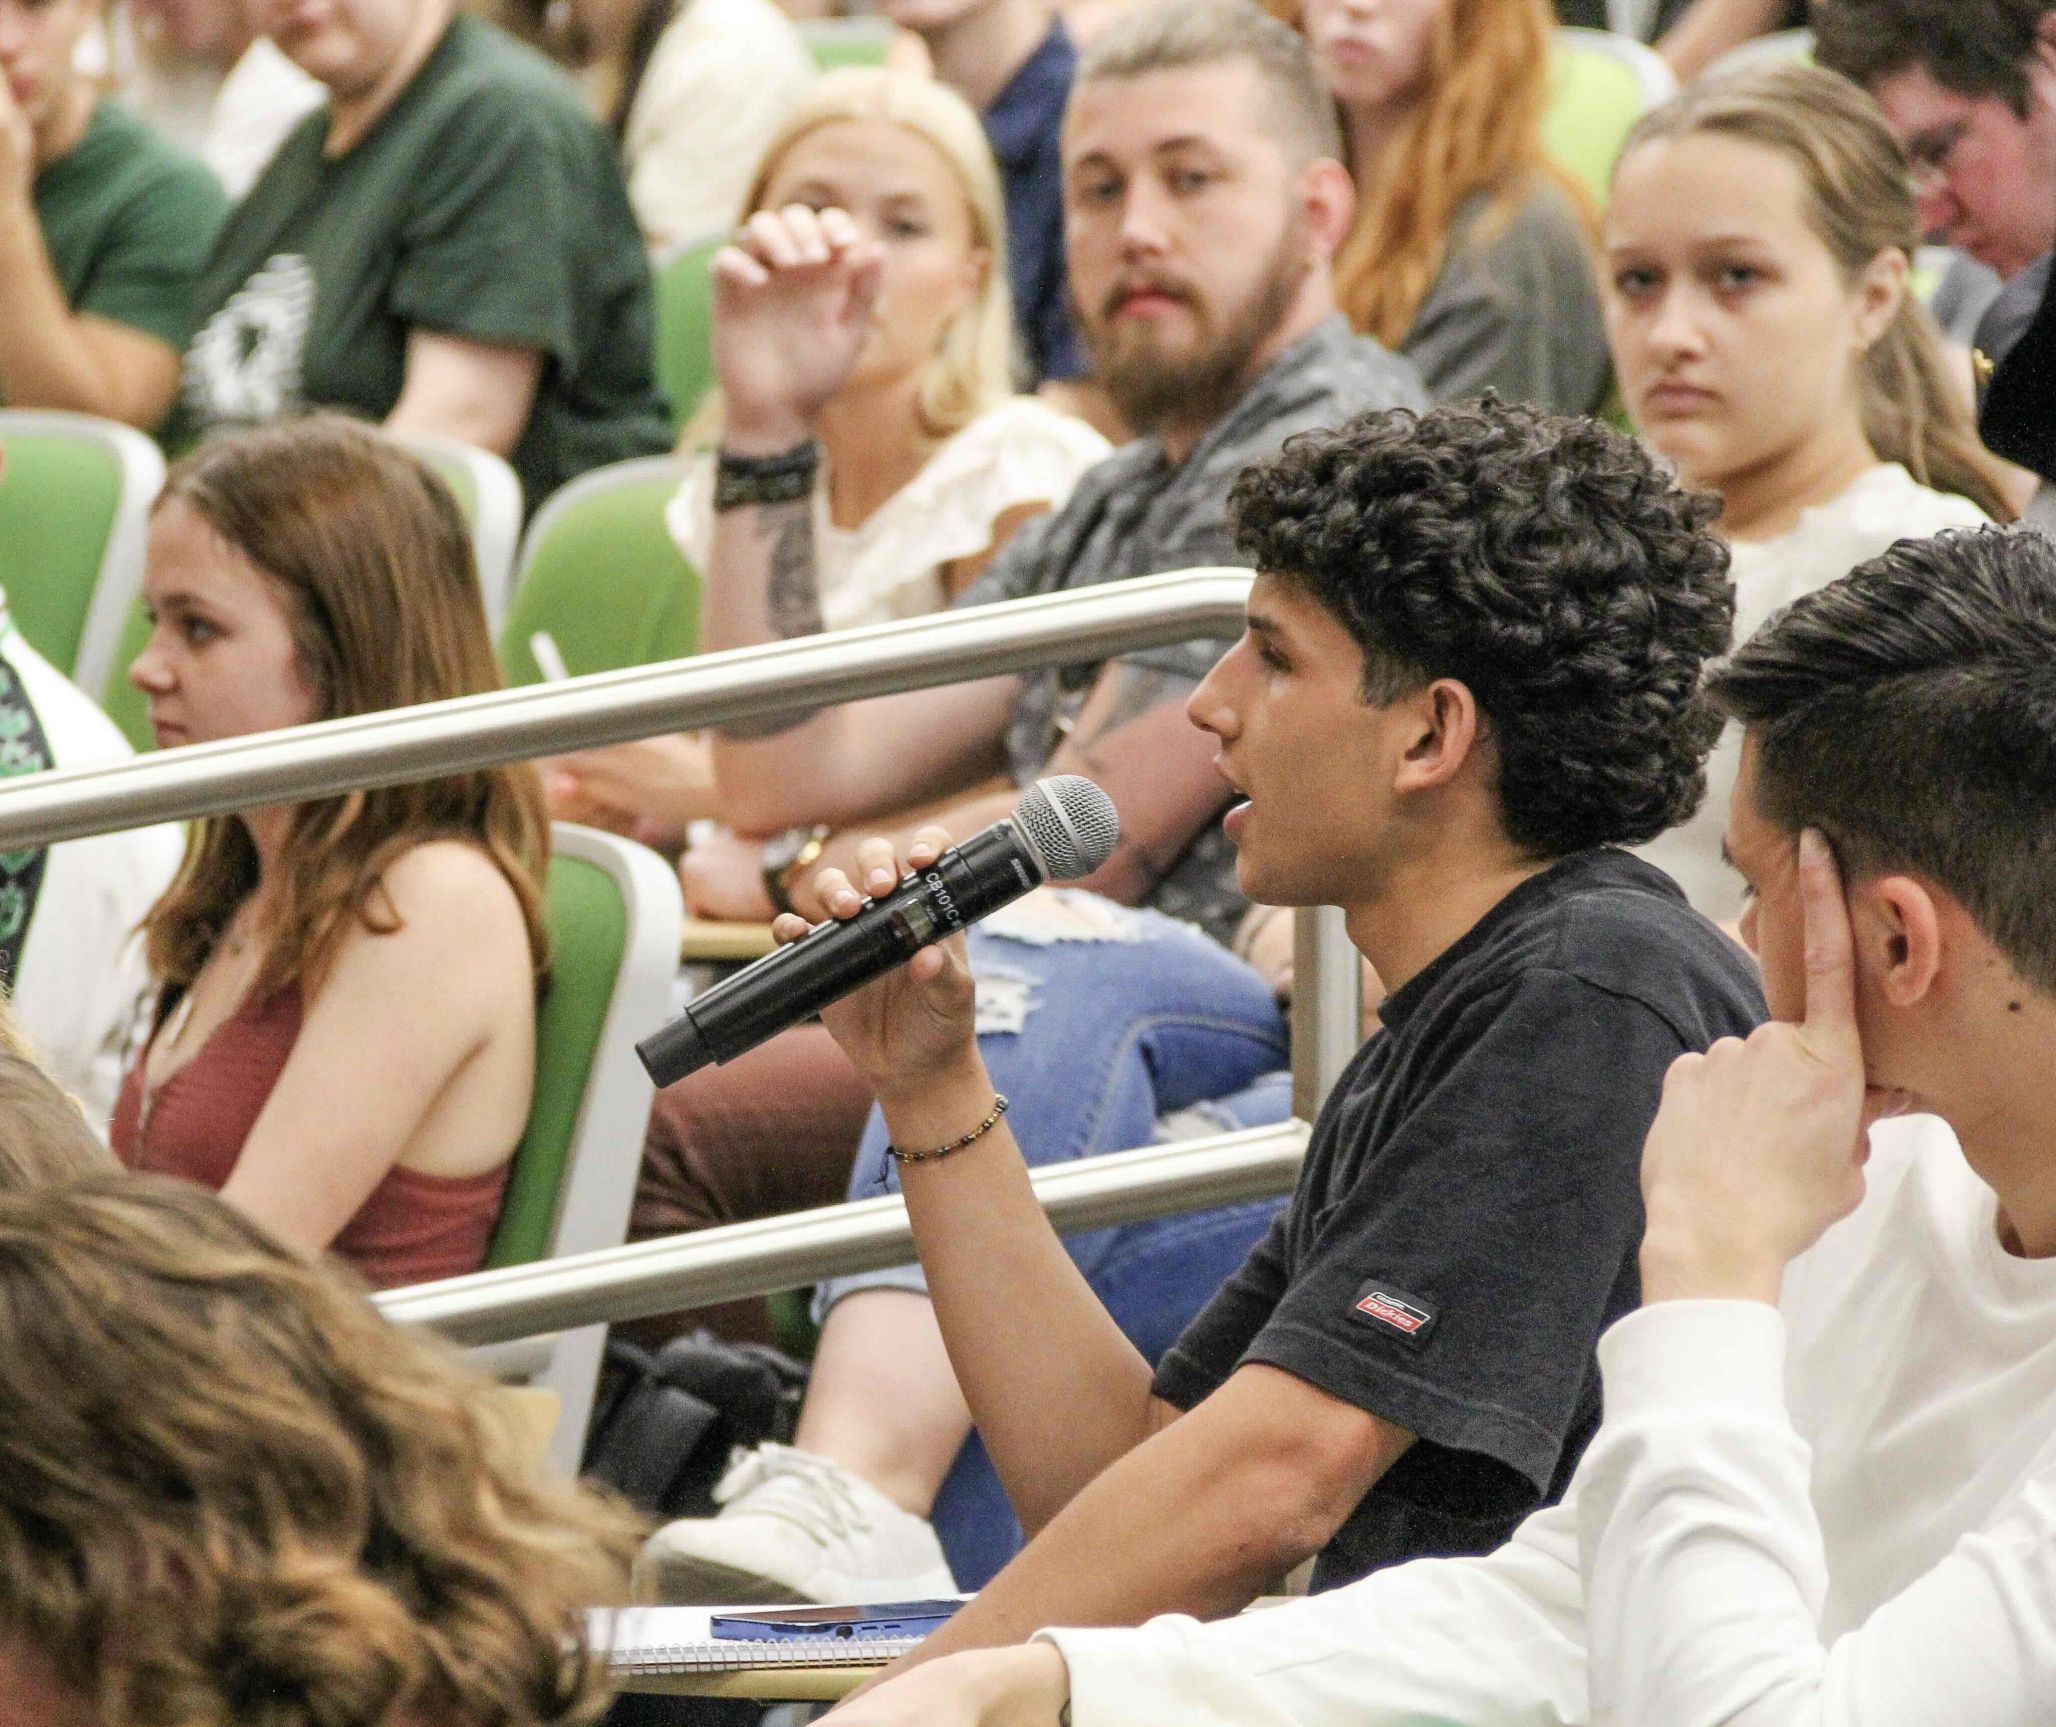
{"points": [[1757, 247]]}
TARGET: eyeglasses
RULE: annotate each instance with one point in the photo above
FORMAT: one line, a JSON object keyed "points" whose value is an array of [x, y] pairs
{"points": [[1930, 151]]}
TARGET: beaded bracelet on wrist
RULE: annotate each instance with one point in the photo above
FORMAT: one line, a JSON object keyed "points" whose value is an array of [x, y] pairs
{"points": [[780, 479], [999, 1108]]}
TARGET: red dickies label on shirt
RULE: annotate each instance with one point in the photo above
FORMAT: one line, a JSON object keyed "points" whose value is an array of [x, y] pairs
{"points": [[1379, 1303]]}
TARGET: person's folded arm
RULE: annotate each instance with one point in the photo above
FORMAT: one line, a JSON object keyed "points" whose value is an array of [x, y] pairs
{"points": [[1706, 1577], [479, 393], [53, 357], [1134, 740], [1202, 1517], [842, 763], [1710, 28]]}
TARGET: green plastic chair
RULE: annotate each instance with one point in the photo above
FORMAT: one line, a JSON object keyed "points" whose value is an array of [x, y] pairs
{"points": [[685, 327], [120, 700], [614, 914], [1600, 84], [75, 495], [602, 577], [488, 491], [837, 42]]}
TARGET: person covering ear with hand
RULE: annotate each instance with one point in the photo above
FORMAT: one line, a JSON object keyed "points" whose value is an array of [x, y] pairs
{"points": [[1760, 1143]]}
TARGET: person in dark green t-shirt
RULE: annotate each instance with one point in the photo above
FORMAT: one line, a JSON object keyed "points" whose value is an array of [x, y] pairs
{"points": [[446, 246], [103, 230]]}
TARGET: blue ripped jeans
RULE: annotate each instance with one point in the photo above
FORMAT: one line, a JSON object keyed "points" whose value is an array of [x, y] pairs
{"points": [[1107, 1028]]}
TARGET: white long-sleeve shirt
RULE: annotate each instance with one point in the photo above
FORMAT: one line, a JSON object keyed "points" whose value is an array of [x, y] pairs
{"points": [[1837, 1513], [83, 979]]}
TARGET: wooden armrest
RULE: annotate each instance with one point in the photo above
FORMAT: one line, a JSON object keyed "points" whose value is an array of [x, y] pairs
{"points": [[703, 940]]}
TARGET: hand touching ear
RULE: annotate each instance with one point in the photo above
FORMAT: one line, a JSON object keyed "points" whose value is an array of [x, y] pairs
{"points": [[1759, 1145]]}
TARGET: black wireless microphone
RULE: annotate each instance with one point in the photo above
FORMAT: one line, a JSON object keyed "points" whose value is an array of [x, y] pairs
{"points": [[1063, 828]]}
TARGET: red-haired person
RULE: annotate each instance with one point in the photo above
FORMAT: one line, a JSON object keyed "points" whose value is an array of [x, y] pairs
{"points": [[1471, 253]]}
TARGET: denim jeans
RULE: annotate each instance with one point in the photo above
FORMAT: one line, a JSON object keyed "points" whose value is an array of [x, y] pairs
{"points": [[1107, 1028]]}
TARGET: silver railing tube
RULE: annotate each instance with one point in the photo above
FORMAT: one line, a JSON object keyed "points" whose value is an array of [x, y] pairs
{"points": [[778, 678], [1327, 1005], [435, 738], [773, 1253]]}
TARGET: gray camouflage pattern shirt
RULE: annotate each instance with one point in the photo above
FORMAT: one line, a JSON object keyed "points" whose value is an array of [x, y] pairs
{"points": [[1137, 514]]}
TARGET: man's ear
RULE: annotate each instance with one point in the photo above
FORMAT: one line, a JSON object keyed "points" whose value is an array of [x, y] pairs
{"points": [[1444, 718], [1897, 928], [1328, 195]]}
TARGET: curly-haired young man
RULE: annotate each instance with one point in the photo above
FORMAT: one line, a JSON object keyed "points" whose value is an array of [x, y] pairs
{"points": [[1470, 674], [1824, 1494]]}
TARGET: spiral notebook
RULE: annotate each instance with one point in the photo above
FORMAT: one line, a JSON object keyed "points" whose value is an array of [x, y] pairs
{"points": [[640, 1641]]}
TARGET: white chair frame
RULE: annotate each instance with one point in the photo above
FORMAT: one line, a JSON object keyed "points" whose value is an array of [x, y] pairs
{"points": [[1653, 76], [600, 1168], [496, 515], [120, 578]]}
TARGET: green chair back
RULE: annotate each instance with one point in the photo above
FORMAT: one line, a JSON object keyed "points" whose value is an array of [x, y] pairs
{"points": [[75, 495], [486, 491], [602, 576], [1599, 86], [685, 328], [588, 925], [837, 42], [122, 702]]}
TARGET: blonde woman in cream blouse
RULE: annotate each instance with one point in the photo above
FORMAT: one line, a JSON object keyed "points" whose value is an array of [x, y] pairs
{"points": [[927, 459]]}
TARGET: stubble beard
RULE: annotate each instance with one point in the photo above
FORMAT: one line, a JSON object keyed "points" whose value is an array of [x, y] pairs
{"points": [[1152, 390]]}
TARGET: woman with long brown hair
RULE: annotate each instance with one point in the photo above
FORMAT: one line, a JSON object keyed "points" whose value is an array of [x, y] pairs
{"points": [[1470, 253], [231, 1495], [1758, 242], [345, 1036]]}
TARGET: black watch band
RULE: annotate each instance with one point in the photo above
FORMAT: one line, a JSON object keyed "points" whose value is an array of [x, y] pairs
{"points": [[785, 855]]}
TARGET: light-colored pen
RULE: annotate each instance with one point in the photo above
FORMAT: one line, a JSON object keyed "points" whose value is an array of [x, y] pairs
{"points": [[549, 661]]}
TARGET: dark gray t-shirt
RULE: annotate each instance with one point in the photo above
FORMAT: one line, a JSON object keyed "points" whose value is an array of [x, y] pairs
{"points": [[1515, 308], [1468, 1217], [1135, 514]]}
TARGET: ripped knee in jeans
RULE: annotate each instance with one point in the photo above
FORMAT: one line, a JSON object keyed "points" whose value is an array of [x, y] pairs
{"points": [[1007, 994]]}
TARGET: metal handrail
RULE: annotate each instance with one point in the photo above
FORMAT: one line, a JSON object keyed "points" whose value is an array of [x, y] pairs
{"points": [[774, 1253], [437, 738], [780, 678], [776, 679]]}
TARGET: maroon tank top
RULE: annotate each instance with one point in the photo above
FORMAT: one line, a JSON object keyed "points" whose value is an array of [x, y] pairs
{"points": [[414, 1227]]}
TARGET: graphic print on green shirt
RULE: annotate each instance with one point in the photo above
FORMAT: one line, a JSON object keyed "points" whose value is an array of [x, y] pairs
{"points": [[483, 204], [129, 222]]}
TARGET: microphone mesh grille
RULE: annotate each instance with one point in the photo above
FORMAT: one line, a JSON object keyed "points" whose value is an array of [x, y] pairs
{"points": [[1071, 823]]}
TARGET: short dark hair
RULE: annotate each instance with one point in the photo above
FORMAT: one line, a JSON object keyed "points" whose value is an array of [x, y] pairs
{"points": [[1544, 561], [1974, 47], [1908, 711], [1169, 34]]}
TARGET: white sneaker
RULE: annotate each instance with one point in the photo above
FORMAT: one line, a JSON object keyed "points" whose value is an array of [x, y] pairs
{"points": [[794, 1527]]}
